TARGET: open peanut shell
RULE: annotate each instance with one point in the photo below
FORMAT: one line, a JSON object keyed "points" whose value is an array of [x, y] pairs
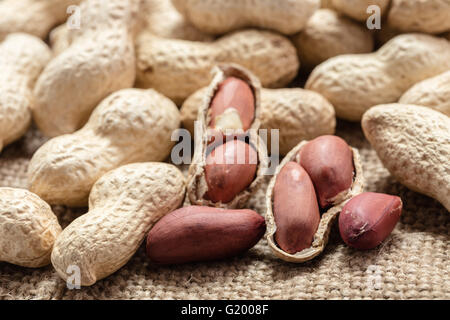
{"points": [[327, 217], [197, 186]]}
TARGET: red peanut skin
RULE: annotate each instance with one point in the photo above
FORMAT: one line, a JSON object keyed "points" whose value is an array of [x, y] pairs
{"points": [[296, 210], [230, 169], [329, 162], [368, 219], [234, 93], [195, 233]]}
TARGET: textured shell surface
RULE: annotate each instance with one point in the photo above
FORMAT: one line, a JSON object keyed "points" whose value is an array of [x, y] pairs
{"points": [[123, 205], [162, 62], [327, 218], [328, 34], [163, 20], [429, 16], [357, 9], [35, 17], [413, 142], [218, 17], [28, 228], [433, 93], [130, 125], [22, 58], [100, 60], [354, 83]]}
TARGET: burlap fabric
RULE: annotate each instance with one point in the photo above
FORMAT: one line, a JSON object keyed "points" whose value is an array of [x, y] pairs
{"points": [[412, 264]]}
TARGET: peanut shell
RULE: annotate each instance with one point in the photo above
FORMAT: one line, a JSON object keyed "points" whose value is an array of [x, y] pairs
{"points": [[327, 218], [197, 186]]}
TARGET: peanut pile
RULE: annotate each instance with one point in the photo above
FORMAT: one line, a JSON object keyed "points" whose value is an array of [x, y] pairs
{"points": [[113, 83]]}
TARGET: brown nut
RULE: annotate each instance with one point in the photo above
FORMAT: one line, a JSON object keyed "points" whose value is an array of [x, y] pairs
{"points": [[327, 215], [230, 190], [329, 162], [368, 219], [295, 209], [233, 106], [230, 168], [198, 233]]}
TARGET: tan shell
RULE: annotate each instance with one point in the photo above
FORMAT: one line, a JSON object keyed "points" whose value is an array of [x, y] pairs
{"points": [[178, 68], [354, 83], [298, 114], [28, 228], [22, 58], [35, 17], [197, 186], [218, 16], [327, 4], [413, 143], [429, 16], [131, 125], [327, 218], [163, 20], [357, 9], [433, 93], [123, 205], [328, 34], [59, 39], [99, 61]]}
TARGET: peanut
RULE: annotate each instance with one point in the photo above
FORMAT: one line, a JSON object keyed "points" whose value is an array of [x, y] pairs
{"points": [[161, 63], [193, 234], [230, 184], [99, 61], [413, 142], [368, 219], [298, 206], [328, 34], [433, 93], [354, 83], [35, 17], [123, 205], [295, 209], [233, 106], [326, 4], [165, 21], [230, 169], [218, 17], [131, 125], [328, 160], [28, 228], [22, 58], [298, 114], [357, 9], [429, 16]]}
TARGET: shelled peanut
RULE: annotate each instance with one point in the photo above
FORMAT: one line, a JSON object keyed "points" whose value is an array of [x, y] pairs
{"points": [[178, 68], [196, 233], [28, 228], [328, 34], [22, 58], [229, 159], [123, 206], [368, 219], [131, 125], [218, 17], [99, 61], [413, 142], [298, 114], [308, 190], [354, 83]]}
